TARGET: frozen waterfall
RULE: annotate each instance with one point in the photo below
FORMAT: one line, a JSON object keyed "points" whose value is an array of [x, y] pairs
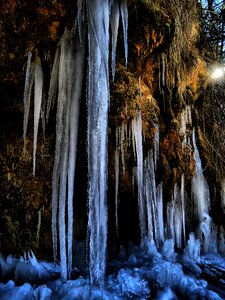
{"points": [[69, 93]]}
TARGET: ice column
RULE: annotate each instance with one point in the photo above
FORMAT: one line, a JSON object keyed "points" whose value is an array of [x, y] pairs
{"points": [[137, 144], [200, 192], [97, 102], [69, 85]]}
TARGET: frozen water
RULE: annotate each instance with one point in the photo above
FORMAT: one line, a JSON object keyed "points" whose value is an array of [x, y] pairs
{"points": [[124, 14], [97, 102], [76, 91], [132, 283], [115, 15], [116, 185], [69, 58], [38, 88], [223, 194], [192, 249], [137, 139], [200, 188], [52, 93], [11, 292], [29, 79], [149, 248], [42, 293], [166, 294], [168, 249], [153, 271]]}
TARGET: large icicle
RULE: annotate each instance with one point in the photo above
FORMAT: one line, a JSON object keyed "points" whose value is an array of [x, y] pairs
{"points": [[98, 102], [222, 194], [29, 79], [200, 188], [124, 14], [69, 92], [38, 87], [59, 136], [52, 94], [117, 168], [137, 139], [76, 90], [200, 192], [182, 194], [115, 15]]}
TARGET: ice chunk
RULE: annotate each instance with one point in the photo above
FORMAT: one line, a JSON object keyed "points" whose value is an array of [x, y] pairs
{"points": [[166, 294], [192, 249], [10, 292], [132, 284], [42, 293], [168, 249]]}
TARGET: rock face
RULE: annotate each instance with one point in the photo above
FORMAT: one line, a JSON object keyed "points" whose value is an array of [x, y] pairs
{"points": [[165, 75]]}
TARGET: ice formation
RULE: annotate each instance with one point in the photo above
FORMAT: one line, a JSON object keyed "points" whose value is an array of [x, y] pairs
{"points": [[68, 102], [162, 221], [137, 145], [34, 77]]}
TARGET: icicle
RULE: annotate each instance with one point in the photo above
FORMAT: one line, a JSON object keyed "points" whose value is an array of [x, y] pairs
{"points": [[43, 109], [163, 70], [115, 15], [137, 137], [124, 14], [147, 191], [97, 101], [76, 90], [182, 191], [39, 226], [122, 135], [159, 199], [59, 137], [159, 68], [116, 186], [80, 17], [62, 194], [38, 87], [29, 79], [183, 128], [200, 189], [222, 194], [156, 146], [53, 83], [178, 217], [170, 219]]}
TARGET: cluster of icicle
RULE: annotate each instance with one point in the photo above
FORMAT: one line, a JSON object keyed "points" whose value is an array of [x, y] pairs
{"points": [[66, 86], [99, 14], [149, 195]]}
